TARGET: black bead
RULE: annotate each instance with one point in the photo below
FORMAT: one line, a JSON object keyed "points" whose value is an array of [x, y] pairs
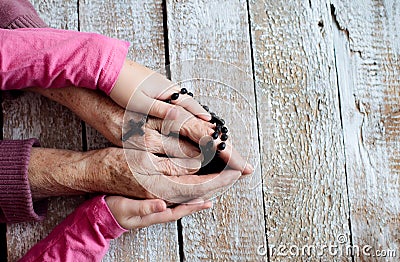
{"points": [[168, 101], [190, 94], [213, 114], [175, 96], [222, 146], [215, 135], [224, 129], [224, 137], [206, 108], [219, 121], [184, 91], [218, 128]]}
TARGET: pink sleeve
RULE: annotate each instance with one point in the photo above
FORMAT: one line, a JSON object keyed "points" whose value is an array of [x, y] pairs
{"points": [[53, 58], [83, 236]]}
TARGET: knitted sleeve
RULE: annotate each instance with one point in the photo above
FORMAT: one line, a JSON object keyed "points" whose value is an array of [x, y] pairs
{"points": [[17, 14], [16, 203]]}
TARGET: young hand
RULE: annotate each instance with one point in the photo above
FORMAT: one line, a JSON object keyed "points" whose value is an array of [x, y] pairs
{"points": [[142, 90], [133, 214]]}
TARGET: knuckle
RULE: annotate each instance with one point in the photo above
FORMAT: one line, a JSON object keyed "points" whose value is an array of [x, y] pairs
{"points": [[169, 168], [152, 142], [144, 209]]}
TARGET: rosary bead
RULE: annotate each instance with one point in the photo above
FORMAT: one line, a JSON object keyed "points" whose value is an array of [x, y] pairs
{"points": [[206, 108], [224, 137], [218, 121], [190, 94], [222, 146], [175, 96], [224, 129], [215, 135], [184, 91], [168, 101]]}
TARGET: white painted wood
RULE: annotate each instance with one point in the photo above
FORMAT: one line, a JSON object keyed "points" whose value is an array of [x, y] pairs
{"points": [[312, 71], [219, 31], [368, 61], [302, 151]]}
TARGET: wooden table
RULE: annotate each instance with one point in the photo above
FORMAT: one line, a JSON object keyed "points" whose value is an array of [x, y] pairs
{"points": [[323, 116]]}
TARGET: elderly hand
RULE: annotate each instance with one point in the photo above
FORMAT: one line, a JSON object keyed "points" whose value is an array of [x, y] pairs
{"points": [[54, 172], [134, 214], [103, 114]]}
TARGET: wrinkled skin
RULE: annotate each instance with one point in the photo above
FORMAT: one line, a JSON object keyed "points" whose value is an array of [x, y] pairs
{"points": [[130, 171]]}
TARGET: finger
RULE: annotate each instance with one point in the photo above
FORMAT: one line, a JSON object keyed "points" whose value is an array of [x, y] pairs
{"points": [[144, 207], [187, 125], [199, 132], [192, 106], [173, 214], [160, 109], [177, 166], [154, 107], [189, 187], [234, 160], [175, 147], [156, 143]]}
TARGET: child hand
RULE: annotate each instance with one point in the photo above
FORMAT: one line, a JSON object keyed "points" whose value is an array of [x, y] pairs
{"points": [[142, 90], [132, 214]]}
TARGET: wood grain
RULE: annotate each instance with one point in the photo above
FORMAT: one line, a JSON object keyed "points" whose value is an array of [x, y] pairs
{"points": [[209, 45], [140, 23], [303, 162], [320, 123], [29, 115], [368, 61]]}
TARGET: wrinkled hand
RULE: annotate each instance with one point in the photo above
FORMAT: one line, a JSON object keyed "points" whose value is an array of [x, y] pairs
{"points": [[134, 214], [103, 114], [54, 172]]}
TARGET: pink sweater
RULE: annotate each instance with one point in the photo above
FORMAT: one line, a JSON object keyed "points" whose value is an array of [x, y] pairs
{"points": [[83, 236], [53, 58], [47, 58]]}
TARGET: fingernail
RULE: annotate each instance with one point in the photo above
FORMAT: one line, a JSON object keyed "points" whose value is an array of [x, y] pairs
{"points": [[197, 201], [160, 207], [208, 205], [250, 167]]}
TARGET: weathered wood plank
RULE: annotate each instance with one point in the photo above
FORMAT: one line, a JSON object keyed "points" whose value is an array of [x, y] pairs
{"points": [[141, 23], [212, 31], [29, 115], [367, 49], [303, 160]]}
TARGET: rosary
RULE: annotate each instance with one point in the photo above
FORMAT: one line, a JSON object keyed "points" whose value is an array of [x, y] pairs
{"points": [[213, 162]]}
